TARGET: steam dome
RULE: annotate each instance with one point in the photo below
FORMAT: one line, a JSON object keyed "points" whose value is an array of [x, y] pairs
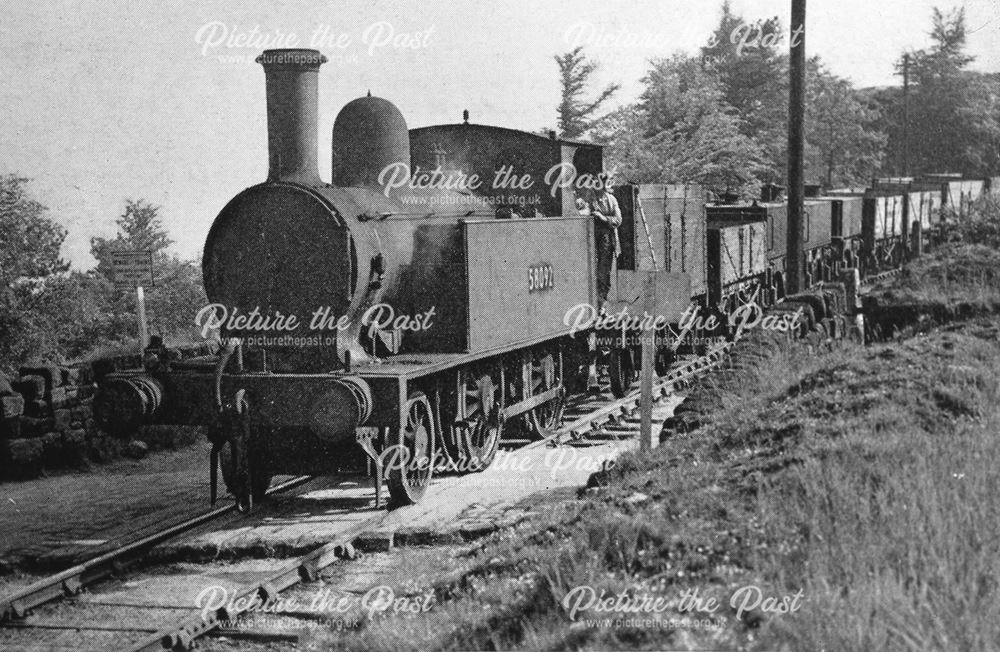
{"points": [[368, 135]]}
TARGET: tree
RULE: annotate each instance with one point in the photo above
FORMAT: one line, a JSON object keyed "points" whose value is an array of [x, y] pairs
{"points": [[954, 113], [682, 130], [29, 254], [628, 154], [31, 240], [843, 146], [752, 71], [177, 295], [139, 229], [575, 114]]}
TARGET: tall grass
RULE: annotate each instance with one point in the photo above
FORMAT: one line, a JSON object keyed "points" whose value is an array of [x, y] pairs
{"points": [[862, 477], [895, 522]]}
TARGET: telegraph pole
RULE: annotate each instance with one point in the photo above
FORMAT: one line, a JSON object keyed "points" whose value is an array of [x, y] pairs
{"points": [[796, 145], [906, 115]]}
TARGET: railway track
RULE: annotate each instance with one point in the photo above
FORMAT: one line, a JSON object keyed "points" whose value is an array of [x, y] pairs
{"points": [[72, 580], [168, 618], [617, 419], [873, 279]]}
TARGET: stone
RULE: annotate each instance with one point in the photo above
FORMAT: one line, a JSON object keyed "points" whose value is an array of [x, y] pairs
{"points": [[71, 375], [75, 437], [81, 412], [62, 419], [51, 373], [637, 498], [74, 444], [52, 448], [136, 449], [102, 448], [5, 386], [11, 406], [10, 428], [37, 407], [30, 387], [57, 397], [24, 454], [35, 426]]}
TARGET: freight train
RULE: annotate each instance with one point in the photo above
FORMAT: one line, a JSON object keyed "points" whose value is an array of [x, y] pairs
{"points": [[388, 319]]}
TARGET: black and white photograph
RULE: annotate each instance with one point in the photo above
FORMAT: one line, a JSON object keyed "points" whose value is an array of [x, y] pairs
{"points": [[426, 325]]}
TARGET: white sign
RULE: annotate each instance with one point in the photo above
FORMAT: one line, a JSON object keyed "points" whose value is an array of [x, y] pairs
{"points": [[132, 268]]}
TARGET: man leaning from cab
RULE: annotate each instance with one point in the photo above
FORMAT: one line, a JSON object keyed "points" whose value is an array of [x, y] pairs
{"points": [[603, 206]]}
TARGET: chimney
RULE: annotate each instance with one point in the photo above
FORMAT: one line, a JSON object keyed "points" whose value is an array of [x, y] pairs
{"points": [[292, 81]]}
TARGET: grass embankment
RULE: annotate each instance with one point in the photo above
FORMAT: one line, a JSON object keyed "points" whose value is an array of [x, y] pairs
{"points": [[854, 486], [862, 478], [955, 274], [959, 281]]}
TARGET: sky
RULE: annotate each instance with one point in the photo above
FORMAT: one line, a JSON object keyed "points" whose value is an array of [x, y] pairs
{"points": [[141, 99]]}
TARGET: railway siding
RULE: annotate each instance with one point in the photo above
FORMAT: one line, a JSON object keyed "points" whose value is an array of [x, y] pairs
{"points": [[47, 421]]}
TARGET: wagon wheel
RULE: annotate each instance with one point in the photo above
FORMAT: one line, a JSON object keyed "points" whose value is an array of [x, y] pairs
{"points": [[477, 428], [864, 263], [410, 471], [260, 478], [895, 257], [576, 367], [779, 288], [665, 357], [621, 369], [545, 418]]}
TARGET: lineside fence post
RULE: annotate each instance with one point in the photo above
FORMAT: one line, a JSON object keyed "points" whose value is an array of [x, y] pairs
{"points": [[646, 438]]}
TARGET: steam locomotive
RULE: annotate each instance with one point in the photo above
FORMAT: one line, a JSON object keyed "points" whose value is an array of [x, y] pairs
{"points": [[373, 313], [390, 321]]}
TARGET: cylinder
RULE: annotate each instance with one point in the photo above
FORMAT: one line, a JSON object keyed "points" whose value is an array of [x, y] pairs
{"points": [[292, 88], [126, 402], [337, 413]]}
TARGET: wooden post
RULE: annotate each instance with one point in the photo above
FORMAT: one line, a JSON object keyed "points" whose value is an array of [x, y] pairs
{"points": [[851, 278], [796, 145], [906, 115], [646, 439], [140, 302]]}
